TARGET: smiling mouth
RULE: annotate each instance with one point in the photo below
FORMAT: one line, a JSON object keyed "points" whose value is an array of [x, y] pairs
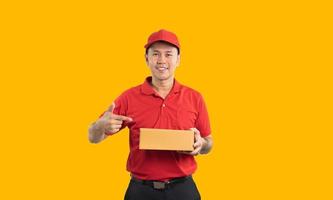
{"points": [[162, 68]]}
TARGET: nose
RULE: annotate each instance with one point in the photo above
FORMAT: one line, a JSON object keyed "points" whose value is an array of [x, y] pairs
{"points": [[161, 59]]}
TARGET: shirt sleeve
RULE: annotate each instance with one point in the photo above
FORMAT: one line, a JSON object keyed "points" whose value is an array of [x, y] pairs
{"points": [[202, 123]]}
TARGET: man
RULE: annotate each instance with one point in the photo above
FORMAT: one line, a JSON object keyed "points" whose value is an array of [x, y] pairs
{"points": [[160, 102]]}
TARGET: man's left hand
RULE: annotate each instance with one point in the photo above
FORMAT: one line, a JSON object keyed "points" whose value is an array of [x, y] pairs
{"points": [[198, 143]]}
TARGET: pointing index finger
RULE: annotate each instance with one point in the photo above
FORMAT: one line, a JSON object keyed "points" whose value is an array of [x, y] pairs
{"points": [[121, 117]]}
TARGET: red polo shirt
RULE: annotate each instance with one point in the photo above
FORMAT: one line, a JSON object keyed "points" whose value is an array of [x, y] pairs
{"points": [[182, 109]]}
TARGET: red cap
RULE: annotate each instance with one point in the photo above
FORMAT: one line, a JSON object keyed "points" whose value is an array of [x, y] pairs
{"points": [[163, 35]]}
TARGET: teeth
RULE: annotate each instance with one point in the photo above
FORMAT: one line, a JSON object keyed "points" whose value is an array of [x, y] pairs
{"points": [[161, 68]]}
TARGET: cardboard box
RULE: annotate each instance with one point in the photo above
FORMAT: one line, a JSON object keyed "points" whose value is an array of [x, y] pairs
{"points": [[165, 139]]}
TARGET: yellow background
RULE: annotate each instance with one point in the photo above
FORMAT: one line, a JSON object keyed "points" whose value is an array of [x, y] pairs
{"points": [[264, 68]]}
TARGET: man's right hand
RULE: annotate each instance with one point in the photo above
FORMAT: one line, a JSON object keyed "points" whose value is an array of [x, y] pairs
{"points": [[111, 122]]}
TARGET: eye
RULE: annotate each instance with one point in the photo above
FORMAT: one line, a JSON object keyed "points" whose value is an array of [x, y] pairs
{"points": [[169, 55]]}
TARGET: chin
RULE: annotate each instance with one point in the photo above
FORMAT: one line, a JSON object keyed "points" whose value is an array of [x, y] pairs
{"points": [[162, 78]]}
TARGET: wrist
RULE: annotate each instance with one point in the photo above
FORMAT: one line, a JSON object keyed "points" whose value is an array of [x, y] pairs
{"points": [[203, 149]]}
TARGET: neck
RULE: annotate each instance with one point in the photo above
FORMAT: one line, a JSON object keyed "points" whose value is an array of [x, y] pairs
{"points": [[162, 85]]}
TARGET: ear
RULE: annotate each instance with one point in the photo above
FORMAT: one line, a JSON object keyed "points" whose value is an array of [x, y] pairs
{"points": [[178, 60], [146, 58]]}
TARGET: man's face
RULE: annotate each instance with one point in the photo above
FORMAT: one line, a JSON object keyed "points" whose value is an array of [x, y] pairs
{"points": [[162, 59]]}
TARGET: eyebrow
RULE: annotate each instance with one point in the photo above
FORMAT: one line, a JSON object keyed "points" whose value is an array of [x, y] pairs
{"points": [[168, 51]]}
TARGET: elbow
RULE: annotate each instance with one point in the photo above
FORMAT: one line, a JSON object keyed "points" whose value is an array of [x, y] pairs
{"points": [[92, 138], [208, 147], [93, 141]]}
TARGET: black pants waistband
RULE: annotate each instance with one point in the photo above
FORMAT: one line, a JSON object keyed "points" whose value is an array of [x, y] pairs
{"points": [[161, 184]]}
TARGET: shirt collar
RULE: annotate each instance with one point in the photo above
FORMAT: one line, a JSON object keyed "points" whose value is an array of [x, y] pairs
{"points": [[147, 88]]}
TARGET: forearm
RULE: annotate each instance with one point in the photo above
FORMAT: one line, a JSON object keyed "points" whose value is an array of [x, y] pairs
{"points": [[207, 145], [96, 133]]}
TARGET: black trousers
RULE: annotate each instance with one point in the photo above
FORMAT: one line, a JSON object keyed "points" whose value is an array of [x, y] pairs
{"points": [[186, 190]]}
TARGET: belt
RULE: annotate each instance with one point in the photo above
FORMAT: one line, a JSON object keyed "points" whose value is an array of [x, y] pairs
{"points": [[161, 185]]}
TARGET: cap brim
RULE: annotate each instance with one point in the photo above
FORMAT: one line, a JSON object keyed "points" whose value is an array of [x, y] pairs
{"points": [[149, 44]]}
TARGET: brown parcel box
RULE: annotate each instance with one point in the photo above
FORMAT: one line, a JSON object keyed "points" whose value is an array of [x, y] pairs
{"points": [[166, 139]]}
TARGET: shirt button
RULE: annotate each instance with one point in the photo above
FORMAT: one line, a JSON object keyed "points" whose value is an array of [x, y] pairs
{"points": [[163, 105]]}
